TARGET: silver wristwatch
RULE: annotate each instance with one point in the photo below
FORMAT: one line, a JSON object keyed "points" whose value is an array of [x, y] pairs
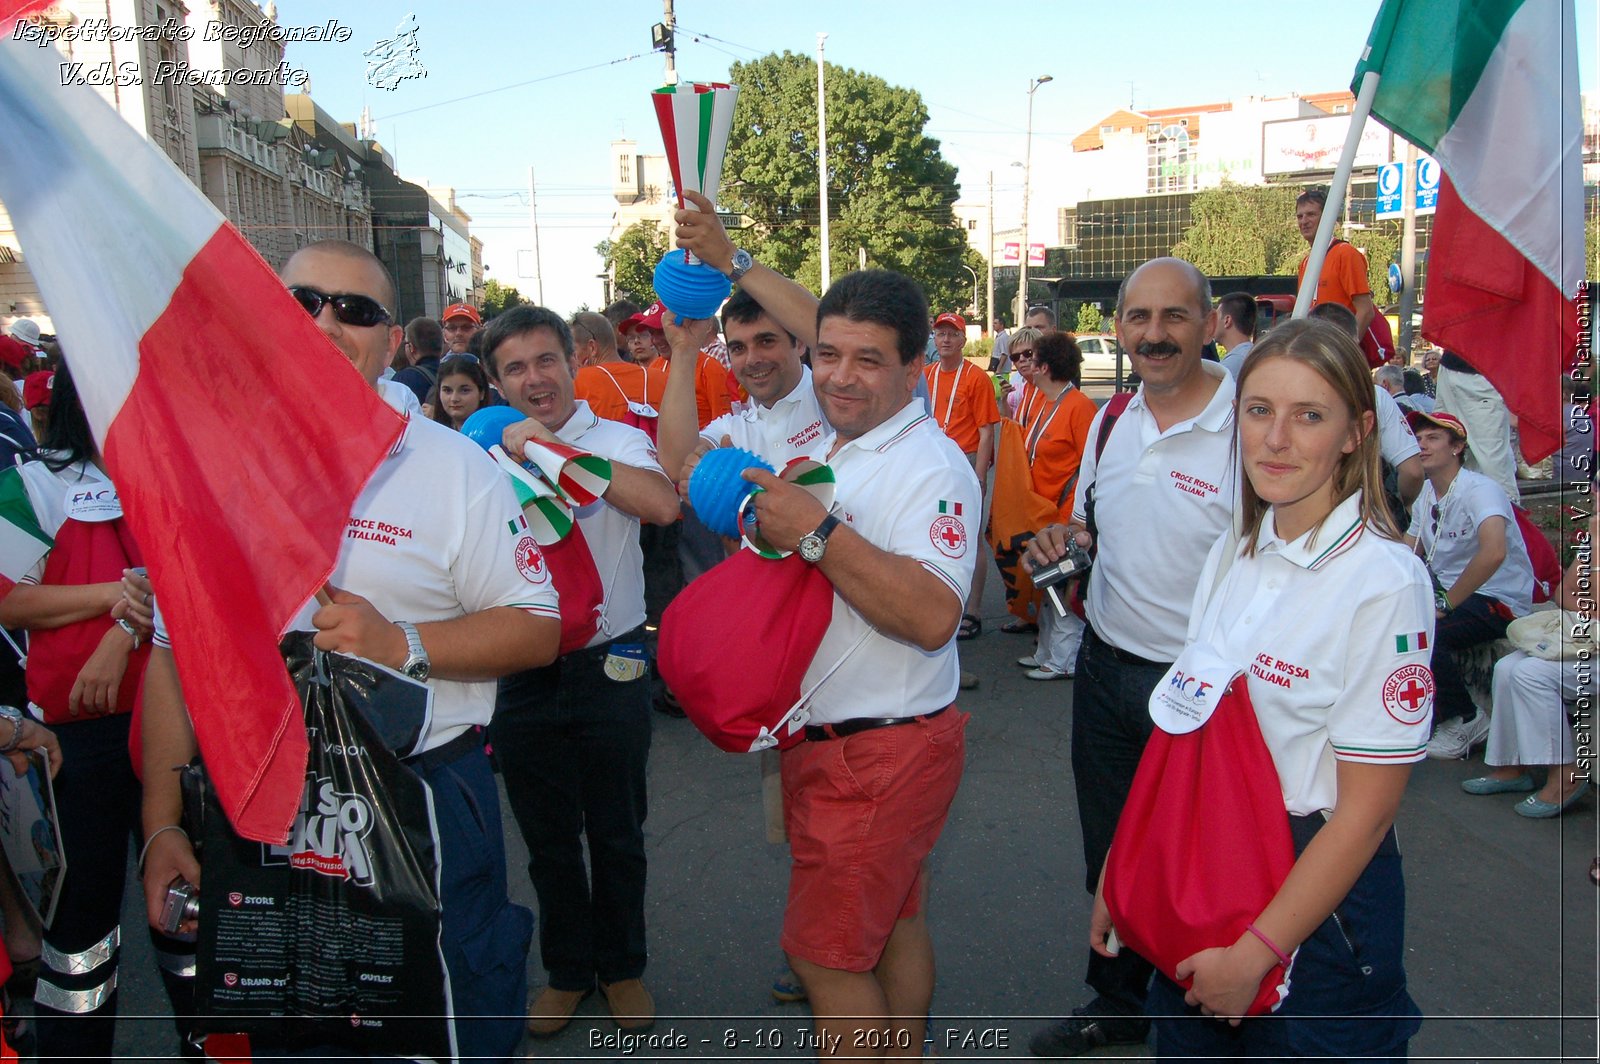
{"points": [[417, 665], [14, 716], [814, 543], [742, 262]]}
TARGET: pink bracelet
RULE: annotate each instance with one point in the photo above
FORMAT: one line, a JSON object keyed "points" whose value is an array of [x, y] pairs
{"points": [[1283, 958]]}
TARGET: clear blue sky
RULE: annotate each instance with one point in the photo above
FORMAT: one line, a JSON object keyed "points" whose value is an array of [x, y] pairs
{"points": [[550, 83]]}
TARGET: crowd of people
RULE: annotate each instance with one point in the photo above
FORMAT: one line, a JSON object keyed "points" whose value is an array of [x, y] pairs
{"points": [[1262, 480]]}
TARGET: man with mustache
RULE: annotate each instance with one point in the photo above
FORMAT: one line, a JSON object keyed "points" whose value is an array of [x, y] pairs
{"points": [[1155, 491]]}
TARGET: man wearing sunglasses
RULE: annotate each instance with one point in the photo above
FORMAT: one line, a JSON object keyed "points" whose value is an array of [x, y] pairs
{"points": [[449, 599]]}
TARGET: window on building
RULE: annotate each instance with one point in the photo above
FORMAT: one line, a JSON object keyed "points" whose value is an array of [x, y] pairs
{"points": [[625, 170], [972, 223], [1341, 109]]}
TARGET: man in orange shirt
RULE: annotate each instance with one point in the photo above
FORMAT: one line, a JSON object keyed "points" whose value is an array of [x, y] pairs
{"points": [[962, 398], [620, 390], [1344, 271]]}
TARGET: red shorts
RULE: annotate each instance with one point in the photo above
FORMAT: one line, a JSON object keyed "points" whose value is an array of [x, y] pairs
{"points": [[862, 813]]}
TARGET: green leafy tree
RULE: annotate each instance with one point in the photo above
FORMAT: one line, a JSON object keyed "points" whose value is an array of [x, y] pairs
{"points": [[499, 297], [1381, 244], [1090, 318], [1243, 230], [889, 188], [631, 260]]}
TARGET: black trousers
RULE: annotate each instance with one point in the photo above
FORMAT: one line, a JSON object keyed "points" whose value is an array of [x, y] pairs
{"points": [[97, 804], [1480, 619], [572, 745], [1110, 726]]}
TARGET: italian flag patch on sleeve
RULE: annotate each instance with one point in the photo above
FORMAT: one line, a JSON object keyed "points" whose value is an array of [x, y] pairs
{"points": [[1413, 641], [951, 508]]}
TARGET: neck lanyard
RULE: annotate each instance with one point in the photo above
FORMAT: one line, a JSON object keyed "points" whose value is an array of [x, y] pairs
{"points": [[950, 404], [1030, 396], [1438, 516], [1042, 424]]}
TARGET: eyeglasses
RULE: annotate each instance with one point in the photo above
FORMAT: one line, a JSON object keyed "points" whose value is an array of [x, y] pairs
{"points": [[1018, 356], [463, 356], [350, 309]]}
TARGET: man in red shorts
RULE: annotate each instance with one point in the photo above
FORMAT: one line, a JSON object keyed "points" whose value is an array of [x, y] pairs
{"points": [[867, 793]]}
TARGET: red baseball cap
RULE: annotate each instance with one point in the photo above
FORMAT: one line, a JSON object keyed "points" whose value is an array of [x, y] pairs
{"points": [[955, 321], [1438, 419], [461, 310], [649, 318], [36, 388], [13, 352]]}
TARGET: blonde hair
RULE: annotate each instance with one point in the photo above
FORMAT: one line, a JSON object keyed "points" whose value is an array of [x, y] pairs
{"points": [[1025, 335], [1334, 356]]}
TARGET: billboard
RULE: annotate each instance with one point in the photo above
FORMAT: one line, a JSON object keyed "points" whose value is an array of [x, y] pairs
{"points": [[1309, 145]]}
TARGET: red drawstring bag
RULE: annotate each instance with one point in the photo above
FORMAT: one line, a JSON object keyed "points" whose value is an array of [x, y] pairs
{"points": [[1203, 844], [85, 552], [577, 582], [736, 643]]}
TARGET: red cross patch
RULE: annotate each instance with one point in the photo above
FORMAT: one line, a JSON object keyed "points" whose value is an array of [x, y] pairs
{"points": [[1408, 693], [530, 560], [949, 535]]}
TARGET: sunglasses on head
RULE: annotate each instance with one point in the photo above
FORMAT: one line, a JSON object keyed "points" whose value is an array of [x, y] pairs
{"points": [[350, 309], [464, 356]]}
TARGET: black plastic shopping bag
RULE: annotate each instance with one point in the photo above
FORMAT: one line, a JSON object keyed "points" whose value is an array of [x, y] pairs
{"points": [[333, 939]]}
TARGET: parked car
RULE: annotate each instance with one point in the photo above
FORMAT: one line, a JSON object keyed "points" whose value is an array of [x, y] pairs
{"points": [[1100, 357]]}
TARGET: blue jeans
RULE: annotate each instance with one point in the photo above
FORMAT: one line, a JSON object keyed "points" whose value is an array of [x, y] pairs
{"points": [[1347, 988]]}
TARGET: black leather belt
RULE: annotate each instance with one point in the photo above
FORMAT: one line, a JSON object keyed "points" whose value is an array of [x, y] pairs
{"points": [[816, 733], [452, 751], [1125, 657]]}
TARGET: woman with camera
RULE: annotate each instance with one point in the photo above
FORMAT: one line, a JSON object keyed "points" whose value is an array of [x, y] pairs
{"points": [[1055, 431], [87, 648], [1315, 608]]}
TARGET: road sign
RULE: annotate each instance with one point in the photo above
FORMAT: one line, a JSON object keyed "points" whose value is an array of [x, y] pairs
{"points": [[1427, 185], [1394, 277], [1390, 183], [730, 219]]}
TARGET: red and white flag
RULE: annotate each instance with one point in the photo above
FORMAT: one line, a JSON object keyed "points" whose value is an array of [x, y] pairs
{"points": [[202, 379]]}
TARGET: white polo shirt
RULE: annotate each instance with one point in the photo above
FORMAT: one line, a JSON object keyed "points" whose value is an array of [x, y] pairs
{"points": [[1333, 633], [1471, 499], [1396, 441], [908, 490], [1161, 500], [612, 535], [786, 430], [436, 535]]}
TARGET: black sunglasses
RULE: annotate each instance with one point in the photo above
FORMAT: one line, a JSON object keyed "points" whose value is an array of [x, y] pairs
{"points": [[348, 308]]}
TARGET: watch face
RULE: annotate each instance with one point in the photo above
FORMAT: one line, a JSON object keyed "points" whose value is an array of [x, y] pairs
{"points": [[811, 547], [417, 670]]}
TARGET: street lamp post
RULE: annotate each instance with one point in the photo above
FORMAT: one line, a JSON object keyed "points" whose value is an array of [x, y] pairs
{"points": [[975, 307], [1027, 173]]}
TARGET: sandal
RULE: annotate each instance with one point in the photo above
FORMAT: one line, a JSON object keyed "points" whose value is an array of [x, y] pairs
{"points": [[969, 628], [1019, 627]]}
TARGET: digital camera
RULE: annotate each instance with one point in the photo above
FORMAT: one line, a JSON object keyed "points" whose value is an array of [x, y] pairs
{"points": [[1051, 575]]}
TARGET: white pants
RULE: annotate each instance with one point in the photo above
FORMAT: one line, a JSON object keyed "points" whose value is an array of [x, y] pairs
{"points": [[1481, 409], [1058, 638], [1529, 725]]}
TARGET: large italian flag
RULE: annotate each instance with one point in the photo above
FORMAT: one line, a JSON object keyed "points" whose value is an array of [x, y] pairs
{"points": [[1490, 89], [237, 435]]}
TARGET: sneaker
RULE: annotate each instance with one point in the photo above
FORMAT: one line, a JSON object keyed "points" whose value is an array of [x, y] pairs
{"points": [[1045, 672], [1029, 662], [1084, 1031], [1455, 738], [786, 986], [630, 1003]]}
